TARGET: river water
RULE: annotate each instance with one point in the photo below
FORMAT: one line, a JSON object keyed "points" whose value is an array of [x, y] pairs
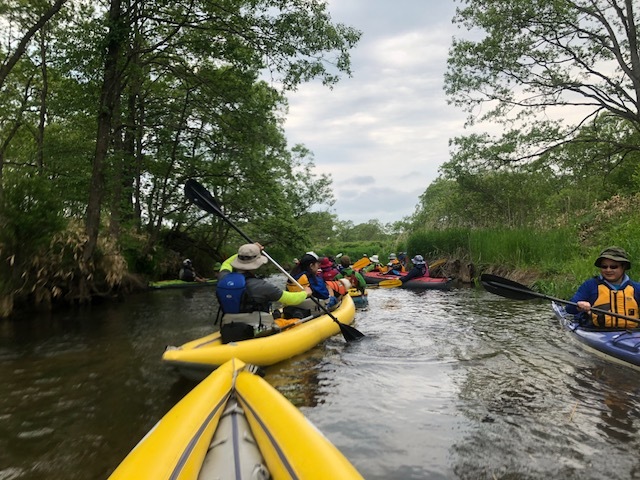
{"points": [[446, 385]]}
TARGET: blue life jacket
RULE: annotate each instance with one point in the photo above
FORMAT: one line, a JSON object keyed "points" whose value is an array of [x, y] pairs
{"points": [[230, 292]]}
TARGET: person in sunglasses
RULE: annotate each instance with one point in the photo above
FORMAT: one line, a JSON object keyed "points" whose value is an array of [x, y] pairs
{"points": [[611, 290]]}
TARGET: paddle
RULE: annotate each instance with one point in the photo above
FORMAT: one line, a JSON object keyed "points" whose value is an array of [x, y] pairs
{"points": [[363, 262], [437, 264], [392, 283], [516, 291], [201, 197]]}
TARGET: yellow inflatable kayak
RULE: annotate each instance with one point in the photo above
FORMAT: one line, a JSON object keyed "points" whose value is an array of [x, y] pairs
{"points": [[199, 357], [234, 425]]}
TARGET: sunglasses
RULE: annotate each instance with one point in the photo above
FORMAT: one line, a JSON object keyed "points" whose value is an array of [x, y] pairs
{"points": [[609, 267]]}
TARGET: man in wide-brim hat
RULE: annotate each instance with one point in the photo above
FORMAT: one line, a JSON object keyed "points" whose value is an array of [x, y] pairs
{"points": [[611, 290], [246, 299]]}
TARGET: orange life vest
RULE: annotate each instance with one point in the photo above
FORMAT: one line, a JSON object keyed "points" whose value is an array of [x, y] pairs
{"points": [[617, 301], [337, 287]]}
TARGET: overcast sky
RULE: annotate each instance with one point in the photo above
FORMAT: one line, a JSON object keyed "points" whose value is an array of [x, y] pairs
{"points": [[383, 133]]}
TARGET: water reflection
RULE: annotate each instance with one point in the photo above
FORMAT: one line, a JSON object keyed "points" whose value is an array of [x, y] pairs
{"points": [[615, 402]]}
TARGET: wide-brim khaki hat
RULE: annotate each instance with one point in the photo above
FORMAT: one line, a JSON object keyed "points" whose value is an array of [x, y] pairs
{"points": [[614, 253], [249, 258]]}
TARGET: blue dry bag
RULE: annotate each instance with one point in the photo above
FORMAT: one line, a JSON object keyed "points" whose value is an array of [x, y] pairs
{"points": [[230, 291]]}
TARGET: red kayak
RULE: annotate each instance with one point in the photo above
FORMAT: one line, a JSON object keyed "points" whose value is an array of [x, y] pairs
{"points": [[420, 283]]}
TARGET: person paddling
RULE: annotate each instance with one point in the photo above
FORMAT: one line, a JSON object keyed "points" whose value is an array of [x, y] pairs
{"points": [[355, 278], [328, 269], [611, 290], [306, 274], [394, 267], [374, 266], [245, 300]]}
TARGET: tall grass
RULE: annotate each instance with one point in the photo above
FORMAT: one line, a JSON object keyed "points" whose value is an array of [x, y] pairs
{"points": [[555, 257], [556, 261], [515, 248]]}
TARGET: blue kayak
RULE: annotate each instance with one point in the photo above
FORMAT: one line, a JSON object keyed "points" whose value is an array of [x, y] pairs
{"points": [[616, 345]]}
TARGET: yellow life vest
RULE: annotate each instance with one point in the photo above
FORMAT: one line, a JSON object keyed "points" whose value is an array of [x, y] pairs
{"points": [[395, 265], [617, 301], [303, 280]]}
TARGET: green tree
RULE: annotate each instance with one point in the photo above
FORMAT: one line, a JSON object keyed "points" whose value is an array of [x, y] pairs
{"points": [[372, 230], [575, 58], [16, 95], [119, 102], [289, 38]]}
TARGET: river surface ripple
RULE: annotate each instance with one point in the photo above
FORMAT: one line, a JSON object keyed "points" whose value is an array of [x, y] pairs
{"points": [[446, 385]]}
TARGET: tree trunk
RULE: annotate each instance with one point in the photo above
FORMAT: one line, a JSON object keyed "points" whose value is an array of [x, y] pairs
{"points": [[42, 121], [108, 101]]}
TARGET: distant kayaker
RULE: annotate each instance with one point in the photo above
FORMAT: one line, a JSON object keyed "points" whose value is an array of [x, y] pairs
{"points": [[420, 269], [611, 290], [188, 274], [394, 267], [328, 269], [355, 278], [245, 300], [374, 266], [306, 274], [402, 258]]}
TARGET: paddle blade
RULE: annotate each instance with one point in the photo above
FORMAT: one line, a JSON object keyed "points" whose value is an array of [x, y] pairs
{"points": [[363, 262], [508, 288], [392, 283], [349, 333], [437, 264], [200, 196]]}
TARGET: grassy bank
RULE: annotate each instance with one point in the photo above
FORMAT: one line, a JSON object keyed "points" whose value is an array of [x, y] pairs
{"points": [[553, 261], [556, 261]]}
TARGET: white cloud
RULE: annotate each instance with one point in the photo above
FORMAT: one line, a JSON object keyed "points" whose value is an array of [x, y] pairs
{"points": [[383, 133]]}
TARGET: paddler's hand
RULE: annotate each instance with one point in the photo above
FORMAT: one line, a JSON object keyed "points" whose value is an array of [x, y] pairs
{"points": [[583, 306]]}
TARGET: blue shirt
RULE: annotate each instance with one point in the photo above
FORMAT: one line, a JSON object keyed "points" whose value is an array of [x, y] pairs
{"points": [[588, 291], [316, 283]]}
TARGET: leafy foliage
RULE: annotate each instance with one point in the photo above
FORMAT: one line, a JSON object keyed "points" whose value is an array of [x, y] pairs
{"points": [[118, 103], [557, 76]]}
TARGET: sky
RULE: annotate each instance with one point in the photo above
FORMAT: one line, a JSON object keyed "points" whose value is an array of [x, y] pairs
{"points": [[383, 133]]}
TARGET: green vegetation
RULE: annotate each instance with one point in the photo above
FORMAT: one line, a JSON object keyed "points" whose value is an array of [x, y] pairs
{"points": [[560, 180], [107, 108]]}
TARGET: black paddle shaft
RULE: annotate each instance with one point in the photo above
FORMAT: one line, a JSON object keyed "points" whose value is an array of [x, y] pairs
{"points": [[516, 291], [200, 196]]}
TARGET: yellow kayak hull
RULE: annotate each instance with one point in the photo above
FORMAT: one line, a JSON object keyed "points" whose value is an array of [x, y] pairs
{"points": [[199, 357], [288, 444]]}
